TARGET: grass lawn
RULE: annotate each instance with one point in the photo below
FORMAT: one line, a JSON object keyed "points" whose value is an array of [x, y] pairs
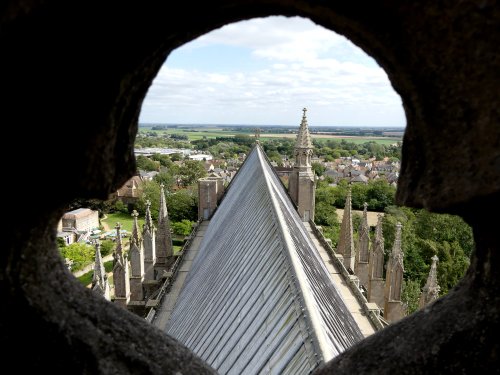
{"points": [[124, 219], [86, 278]]}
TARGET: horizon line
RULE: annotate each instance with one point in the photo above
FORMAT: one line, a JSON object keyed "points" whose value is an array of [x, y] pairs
{"points": [[142, 124]]}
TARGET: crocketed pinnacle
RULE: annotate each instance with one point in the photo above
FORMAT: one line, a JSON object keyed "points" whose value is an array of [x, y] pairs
{"points": [[135, 229], [303, 137], [148, 223]]}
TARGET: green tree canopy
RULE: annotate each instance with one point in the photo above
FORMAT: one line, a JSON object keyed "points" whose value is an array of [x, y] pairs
{"points": [[191, 171]]}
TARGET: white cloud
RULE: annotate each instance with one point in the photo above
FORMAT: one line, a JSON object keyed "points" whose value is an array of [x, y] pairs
{"points": [[304, 65]]}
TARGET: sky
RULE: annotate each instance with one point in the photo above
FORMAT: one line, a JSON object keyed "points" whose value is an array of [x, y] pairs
{"points": [[264, 71]]}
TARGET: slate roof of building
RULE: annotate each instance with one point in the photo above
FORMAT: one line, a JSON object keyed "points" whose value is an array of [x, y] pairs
{"points": [[78, 213], [258, 298]]}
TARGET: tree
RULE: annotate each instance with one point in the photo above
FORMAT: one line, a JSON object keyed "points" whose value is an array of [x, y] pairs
{"points": [[80, 254], [60, 242], [325, 215], [164, 160], [183, 205], [166, 178], [107, 247], [318, 168], [427, 234], [380, 194], [146, 164], [183, 227], [151, 192], [410, 295], [191, 171]]}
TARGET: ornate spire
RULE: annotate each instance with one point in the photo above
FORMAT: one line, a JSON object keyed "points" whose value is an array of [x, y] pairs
{"points": [[135, 229], [149, 245], [164, 248], [119, 249], [100, 279], [303, 137], [362, 251], [120, 271], [430, 292], [397, 253], [364, 237], [346, 241], [163, 213], [302, 181], [148, 223], [136, 263], [395, 268], [378, 252]]}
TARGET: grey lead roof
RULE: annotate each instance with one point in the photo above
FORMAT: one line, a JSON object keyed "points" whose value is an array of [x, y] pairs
{"points": [[258, 298]]}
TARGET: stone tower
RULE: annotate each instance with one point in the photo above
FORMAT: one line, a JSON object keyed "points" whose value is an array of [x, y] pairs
{"points": [[120, 272], [100, 282], [148, 242], [376, 282], [362, 253], [430, 292], [164, 248], [346, 240], [393, 309], [136, 263], [302, 183], [210, 191]]}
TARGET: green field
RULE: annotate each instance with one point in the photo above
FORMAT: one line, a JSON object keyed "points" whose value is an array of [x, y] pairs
{"points": [[359, 140], [194, 134], [86, 278], [125, 220], [208, 132]]}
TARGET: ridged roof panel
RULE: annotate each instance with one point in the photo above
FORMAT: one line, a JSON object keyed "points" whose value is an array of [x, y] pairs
{"points": [[258, 298]]}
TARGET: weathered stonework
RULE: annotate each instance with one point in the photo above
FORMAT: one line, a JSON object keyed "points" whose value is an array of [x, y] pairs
{"points": [[302, 182], [363, 250], [442, 59], [210, 191], [345, 246]]}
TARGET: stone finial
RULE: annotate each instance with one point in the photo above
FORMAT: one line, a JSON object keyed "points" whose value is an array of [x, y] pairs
{"points": [[430, 291], [100, 279], [135, 229], [119, 249], [346, 240], [303, 136], [163, 213], [363, 249], [148, 222], [378, 252], [163, 238], [395, 269]]}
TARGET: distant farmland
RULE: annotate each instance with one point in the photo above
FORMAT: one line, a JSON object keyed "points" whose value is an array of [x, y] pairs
{"points": [[209, 133]]}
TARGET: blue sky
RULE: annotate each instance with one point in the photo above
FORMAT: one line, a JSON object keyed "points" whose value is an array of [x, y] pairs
{"points": [[264, 71]]}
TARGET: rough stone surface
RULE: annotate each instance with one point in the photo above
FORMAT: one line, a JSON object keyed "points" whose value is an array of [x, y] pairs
{"points": [[85, 67]]}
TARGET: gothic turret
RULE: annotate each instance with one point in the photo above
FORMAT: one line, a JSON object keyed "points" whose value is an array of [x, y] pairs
{"points": [[148, 242], [430, 292], [393, 309], [100, 282], [376, 283], [362, 253], [164, 248], [120, 272], [302, 183], [136, 262], [346, 241]]}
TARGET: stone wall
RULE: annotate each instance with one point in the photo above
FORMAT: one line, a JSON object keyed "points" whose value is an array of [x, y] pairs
{"points": [[85, 67]]}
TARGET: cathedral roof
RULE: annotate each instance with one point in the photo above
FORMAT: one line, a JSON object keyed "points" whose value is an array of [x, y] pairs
{"points": [[258, 297]]}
